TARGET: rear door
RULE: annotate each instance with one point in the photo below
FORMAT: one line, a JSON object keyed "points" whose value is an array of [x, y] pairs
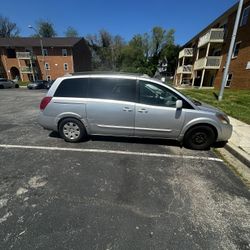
{"points": [[156, 113], [111, 106]]}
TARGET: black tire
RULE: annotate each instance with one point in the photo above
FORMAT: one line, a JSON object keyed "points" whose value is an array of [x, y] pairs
{"points": [[199, 137], [16, 86], [1, 87], [72, 130]]}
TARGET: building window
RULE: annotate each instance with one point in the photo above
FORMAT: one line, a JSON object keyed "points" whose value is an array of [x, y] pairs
{"points": [[48, 78], [64, 52], [245, 15], [47, 67], [65, 66], [229, 80], [45, 52], [236, 49]]}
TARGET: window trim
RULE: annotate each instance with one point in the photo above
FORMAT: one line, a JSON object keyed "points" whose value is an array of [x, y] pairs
{"points": [[236, 43], [242, 16], [64, 54], [230, 81], [45, 53], [45, 66], [65, 68]]}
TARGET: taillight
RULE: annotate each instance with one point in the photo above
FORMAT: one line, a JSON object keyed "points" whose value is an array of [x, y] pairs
{"points": [[45, 101]]}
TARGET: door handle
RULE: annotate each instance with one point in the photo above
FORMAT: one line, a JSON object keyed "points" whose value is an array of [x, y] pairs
{"points": [[142, 111], [127, 109]]}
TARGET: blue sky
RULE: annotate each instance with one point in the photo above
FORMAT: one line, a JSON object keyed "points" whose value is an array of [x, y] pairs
{"points": [[125, 18]]}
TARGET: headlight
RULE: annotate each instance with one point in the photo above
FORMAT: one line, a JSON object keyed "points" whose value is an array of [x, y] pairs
{"points": [[223, 118]]}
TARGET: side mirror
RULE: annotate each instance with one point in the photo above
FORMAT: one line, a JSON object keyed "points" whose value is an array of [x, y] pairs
{"points": [[179, 104]]}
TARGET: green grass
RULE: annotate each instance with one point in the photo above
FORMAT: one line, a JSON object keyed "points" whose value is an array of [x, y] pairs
{"points": [[235, 103]]}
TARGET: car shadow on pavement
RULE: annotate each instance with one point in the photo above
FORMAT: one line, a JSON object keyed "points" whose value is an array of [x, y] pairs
{"points": [[136, 140], [165, 142]]}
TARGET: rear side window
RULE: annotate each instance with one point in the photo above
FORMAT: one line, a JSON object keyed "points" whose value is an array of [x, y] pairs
{"points": [[113, 89], [76, 87]]}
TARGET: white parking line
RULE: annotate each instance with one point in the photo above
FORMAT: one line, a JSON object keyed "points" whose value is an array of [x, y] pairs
{"points": [[89, 150]]}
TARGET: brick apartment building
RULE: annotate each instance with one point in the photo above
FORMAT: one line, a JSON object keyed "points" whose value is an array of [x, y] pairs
{"points": [[22, 58], [202, 59]]}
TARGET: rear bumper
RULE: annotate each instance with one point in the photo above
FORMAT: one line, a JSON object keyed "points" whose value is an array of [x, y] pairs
{"points": [[47, 122]]}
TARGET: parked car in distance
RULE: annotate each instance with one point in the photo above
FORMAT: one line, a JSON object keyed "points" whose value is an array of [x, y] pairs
{"points": [[49, 84], [132, 106], [38, 84], [5, 83]]}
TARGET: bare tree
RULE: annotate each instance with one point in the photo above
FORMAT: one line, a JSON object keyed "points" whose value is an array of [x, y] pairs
{"points": [[7, 28]]}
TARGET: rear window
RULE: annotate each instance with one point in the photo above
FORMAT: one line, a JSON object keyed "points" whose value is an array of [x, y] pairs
{"points": [[113, 89], [76, 87]]}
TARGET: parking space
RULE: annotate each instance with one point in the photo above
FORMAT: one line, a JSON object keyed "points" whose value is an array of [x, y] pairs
{"points": [[111, 193]]}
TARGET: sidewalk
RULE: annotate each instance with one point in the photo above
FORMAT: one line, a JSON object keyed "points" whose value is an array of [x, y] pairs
{"points": [[239, 143]]}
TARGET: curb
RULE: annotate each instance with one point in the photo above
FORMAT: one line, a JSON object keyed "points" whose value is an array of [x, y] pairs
{"points": [[238, 153]]}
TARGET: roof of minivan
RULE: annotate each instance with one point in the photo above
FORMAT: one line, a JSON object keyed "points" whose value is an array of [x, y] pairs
{"points": [[109, 73]]}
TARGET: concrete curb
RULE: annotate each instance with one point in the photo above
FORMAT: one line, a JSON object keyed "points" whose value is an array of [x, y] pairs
{"points": [[238, 153]]}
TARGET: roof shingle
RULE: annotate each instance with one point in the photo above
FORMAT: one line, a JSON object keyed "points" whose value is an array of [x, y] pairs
{"points": [[35, 41]]}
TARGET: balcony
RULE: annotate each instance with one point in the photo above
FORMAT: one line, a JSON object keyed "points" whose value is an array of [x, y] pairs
{"points": [[25, 55], [212, 36], [185, 69], [26, 70], [210, 62], [186, 52]]}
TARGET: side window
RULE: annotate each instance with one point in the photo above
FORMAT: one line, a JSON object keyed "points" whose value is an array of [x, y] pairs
{"points": [[113, 89], [154, 94], [236, 49], [244, 17], [45, 52], [64, 52], [157, 95], [76, 87], [229, 80]]}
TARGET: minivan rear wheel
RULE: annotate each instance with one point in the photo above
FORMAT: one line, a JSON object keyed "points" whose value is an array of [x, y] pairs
{"points": [[72, 130], [199, 137]]}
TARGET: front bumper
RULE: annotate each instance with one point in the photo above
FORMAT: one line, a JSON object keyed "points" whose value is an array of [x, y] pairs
{"points": [[225, 133]]}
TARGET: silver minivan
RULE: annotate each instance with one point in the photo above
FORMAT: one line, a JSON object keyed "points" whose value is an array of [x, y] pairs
{"points": [[129, 105]]}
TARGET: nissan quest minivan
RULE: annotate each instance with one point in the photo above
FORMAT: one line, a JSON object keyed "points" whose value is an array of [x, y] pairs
{"points": [[129, 105]]}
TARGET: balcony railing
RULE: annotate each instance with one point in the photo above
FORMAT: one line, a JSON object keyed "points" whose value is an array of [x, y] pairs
{"points": [[186, 52], [25, 69], [24, 55], [212, 36], [185, 69], [210, 62]]}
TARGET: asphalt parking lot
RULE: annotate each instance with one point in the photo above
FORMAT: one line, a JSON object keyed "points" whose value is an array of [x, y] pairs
{"points": [[110, 193]]}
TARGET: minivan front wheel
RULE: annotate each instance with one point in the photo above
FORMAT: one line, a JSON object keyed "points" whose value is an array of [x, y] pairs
{"points": [[72, 130], [199, 137]]}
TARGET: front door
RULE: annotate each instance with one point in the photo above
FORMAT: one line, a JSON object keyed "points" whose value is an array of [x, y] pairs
{"points": [[111, 107], [156, 113]]}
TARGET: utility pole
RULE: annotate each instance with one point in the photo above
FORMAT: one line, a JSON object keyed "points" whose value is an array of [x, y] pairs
{"points": [[230, 51]]}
